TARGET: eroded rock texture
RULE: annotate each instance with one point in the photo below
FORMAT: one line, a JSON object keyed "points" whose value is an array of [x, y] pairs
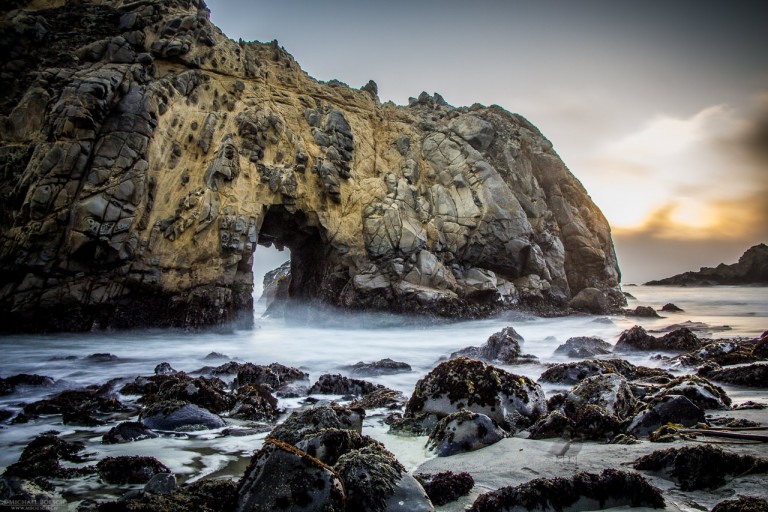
{"points": [[144, 157]]}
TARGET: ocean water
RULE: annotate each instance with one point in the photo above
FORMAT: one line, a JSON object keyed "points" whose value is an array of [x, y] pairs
{"points": [[325, 347]]}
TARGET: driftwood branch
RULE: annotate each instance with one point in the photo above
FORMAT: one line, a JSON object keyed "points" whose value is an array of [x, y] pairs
{"points": [[721, 433]]}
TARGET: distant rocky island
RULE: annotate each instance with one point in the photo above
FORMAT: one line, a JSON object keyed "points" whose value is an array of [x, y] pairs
{"points": [[145, 155], [751, 269]]}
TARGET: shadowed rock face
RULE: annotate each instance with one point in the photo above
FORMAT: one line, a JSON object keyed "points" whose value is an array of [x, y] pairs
{"points": [[144, 156]]}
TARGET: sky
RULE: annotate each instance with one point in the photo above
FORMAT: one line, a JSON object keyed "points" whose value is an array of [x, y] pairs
{"points": [[660, 108]]}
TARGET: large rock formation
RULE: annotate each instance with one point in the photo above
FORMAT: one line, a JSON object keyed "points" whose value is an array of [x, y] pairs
{"points": [[752, 268], [144, 157]]}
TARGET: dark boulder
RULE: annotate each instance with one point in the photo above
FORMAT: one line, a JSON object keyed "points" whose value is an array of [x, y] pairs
{"points": [[278, 477], [208, 393], [554, 424], [675, 409], [129, 469], [329, 384], [380, 367], [300, 424], [671, 308], [273, 376], [609, 391], [445, 487], [464, 431], [91, 400], [215, 356], [510, 400], [179, 416], [101, 358], [723, 353], [590, 300], [209, 495], [161, 483], [610, 488], [593, 422], [702, 466], [127, 432], [584, 346], [760, 349]]}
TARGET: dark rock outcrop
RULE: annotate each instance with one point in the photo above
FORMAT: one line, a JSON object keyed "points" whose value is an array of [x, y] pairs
{"points": [[701, 467], [381, 367], [502, 347], [610, 488], [698, 390], [637, 339], [127, 432], [311, 421], [145, 155], [129, 469], [179, 416], [464, 431], [751, 375], [571, 373], [675, 409], [752, 268], [445, 487], [743, 504], [329, 384], [8, 385], [582, 347]]}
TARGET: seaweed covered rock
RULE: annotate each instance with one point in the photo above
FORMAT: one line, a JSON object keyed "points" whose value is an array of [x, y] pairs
{"points": [[698, 390], [126, 432], [375, 481], [300, 424], [502, 347], [329, 444], [381, 367], [464, 431], [330, 384], [208, 393], [129, 469], [609, 391], [554, 424], [280, 477], [760, 350], [572, 373], [41, 459], [609, 488], [742, 504], [723, 353], [752, 375], [594, 422], [510, 400], [164, 369], [445, 487], [702, 466], [581, 347], [637, 339], [274, 376], [206, 495], [253, 402], [675, 409], [179, 416], [381, 398], [92, 400]]}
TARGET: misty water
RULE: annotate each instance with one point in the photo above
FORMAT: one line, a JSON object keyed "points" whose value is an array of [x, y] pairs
{"points": [[323, 347]]}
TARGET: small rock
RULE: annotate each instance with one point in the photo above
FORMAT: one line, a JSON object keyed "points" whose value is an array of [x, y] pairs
{"points": [[381, 398], [671, 308], [637, 339], [572, 373], [253, 402], [583, 347], [329, 444], [502, 347], [380, 367], [101, 358], [464, 431], [127, 432], [161, 483], [642, 311], [129, 469], [215, 356], [445, 487], [590, 300], [164, 369], [702, 393]]}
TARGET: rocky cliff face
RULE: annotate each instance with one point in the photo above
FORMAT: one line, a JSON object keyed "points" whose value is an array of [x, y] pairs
{"points": [[752, 268], [145, 156]]}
